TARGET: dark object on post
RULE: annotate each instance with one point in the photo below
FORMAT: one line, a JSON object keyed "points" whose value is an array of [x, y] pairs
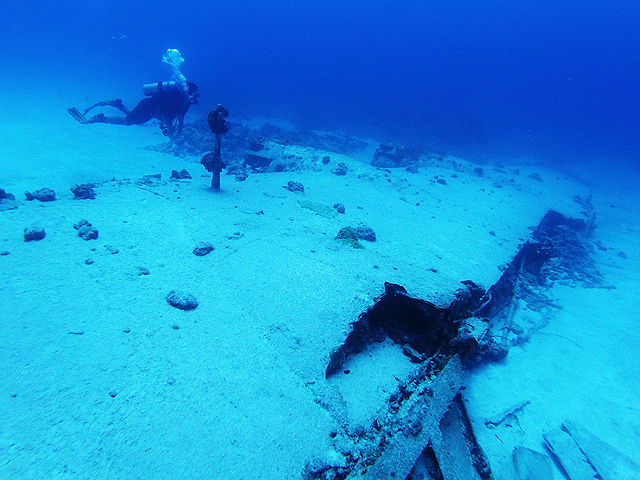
{"points": [[216, 120], [214, 164], [212, 160]]}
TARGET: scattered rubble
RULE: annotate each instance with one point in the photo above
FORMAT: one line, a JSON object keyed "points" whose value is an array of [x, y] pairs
{"points": [[43, 195], [86, 231], [84, 191]]}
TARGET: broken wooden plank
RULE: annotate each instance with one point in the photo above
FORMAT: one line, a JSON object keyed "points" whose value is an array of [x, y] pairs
{"points": [[531, 465], [575, 464], [421, 425], [607, 461], [455, 447]]}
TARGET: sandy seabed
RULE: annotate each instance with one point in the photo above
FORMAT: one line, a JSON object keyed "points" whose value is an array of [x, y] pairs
{"points": [[102, 378]]}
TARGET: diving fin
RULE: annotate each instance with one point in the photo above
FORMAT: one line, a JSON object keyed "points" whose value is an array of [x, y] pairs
{"points": [[75, 113]]}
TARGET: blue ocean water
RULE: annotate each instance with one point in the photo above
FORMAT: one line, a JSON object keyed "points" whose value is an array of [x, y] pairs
{"points": [[555, 81], [488, 80]]}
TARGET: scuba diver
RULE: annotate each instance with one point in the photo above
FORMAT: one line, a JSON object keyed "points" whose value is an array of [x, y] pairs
{"points": [[166, 101]]}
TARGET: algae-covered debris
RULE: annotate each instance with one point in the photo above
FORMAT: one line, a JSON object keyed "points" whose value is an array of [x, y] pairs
{"points": [[348, 236], [318, 208]]}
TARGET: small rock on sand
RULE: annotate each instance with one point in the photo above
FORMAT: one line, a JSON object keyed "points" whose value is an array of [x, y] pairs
{"points": [[181, 300], [202, 249], [33, 232]]}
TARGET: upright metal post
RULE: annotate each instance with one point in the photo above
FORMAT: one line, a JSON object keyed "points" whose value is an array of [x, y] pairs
{"points": [[213, 161], [215, 178]]}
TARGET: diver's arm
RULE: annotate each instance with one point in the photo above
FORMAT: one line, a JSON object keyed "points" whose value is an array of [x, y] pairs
{"points": [[172, 126], [179, 124]]}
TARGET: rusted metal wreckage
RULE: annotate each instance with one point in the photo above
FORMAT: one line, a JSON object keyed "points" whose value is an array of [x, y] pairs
{"points": [[425, 433]]}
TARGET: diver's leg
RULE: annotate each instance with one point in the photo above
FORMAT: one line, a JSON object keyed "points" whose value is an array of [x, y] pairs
{"points": [[139, 115], [101, 118], [112, 102], [174, 126], [142, 113]]}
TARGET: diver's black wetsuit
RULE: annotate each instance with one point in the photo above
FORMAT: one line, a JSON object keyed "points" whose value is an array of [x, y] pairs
{"points": [[164, 106], [168, 106]]}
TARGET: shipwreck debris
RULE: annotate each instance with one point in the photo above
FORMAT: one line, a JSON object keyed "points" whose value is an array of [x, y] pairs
{"points": [[426, 428], [424, 432], [480, 324], [583, 455], [560, 250], [423, 328], [509, 413], [530, 464]]}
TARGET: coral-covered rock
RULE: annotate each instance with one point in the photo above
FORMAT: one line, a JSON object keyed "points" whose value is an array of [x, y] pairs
{"points": [[44, 195], [33, 232], [85, 230], [365, 232], [84, 191], [181, 300]]}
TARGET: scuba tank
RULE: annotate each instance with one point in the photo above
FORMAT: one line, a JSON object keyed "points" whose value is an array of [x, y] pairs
{"points": [[153, 88]]}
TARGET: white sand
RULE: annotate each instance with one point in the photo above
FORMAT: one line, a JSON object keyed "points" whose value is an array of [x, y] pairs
{"points": [[229, 390]]}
